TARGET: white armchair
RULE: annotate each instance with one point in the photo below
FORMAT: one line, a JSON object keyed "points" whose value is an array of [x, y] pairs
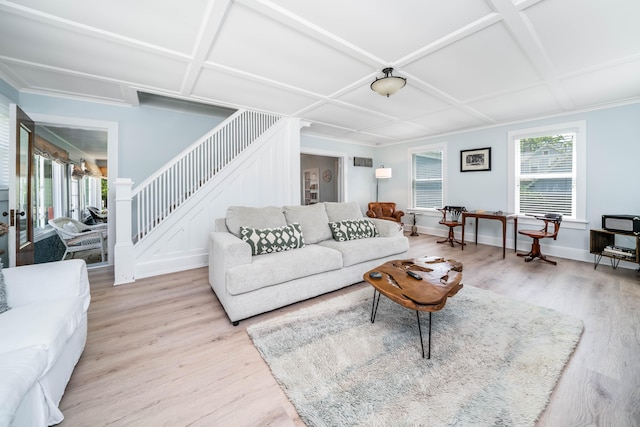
{"points": [[77, 236]]}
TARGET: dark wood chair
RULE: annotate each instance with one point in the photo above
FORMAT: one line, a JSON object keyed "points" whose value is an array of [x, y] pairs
{"points": [[451, 218], [544, 233], [384, 210]]}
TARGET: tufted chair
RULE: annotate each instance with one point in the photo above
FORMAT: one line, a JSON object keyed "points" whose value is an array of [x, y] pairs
{"points": [[384, 210]]}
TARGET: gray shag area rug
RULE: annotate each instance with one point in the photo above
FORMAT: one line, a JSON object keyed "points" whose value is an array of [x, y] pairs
{"points": [[494, 361]]}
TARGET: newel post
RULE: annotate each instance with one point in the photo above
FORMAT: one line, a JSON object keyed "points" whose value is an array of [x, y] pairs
{"points": [[124, 260]]}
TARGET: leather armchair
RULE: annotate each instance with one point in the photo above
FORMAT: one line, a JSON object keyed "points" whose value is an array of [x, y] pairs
{"points": [[384, 210]]}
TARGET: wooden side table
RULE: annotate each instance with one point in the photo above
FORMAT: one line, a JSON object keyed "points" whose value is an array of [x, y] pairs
{"points": [[439, 280], [499, 216]]}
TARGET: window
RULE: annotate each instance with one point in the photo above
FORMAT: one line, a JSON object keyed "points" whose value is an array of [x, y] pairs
{"points": [[49, 190], [547, 170], [4, 146], [427, 172]]}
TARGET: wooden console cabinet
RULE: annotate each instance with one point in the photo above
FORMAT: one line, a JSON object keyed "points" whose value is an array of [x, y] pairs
{"points": [[599, 239]]}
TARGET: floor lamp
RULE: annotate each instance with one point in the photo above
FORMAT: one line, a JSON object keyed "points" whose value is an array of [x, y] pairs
{"points": [[381, 173]]}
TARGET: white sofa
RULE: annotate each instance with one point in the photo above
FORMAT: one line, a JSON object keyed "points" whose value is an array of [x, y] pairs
{"points": [[42, 335], [248, 284]]}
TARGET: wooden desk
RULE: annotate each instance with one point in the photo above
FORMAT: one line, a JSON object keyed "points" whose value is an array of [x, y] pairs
{"points": [[500, 216]]}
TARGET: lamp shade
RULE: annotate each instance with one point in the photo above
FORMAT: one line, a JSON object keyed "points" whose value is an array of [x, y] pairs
{"points": [[389, 84], [383, 173]]}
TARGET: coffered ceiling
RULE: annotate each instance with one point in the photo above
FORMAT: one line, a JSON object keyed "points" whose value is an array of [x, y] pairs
{"points": [[468, 63]]}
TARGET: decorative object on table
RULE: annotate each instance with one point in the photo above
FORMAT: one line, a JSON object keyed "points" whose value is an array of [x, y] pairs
{"points": [[550, 218], [475, 160], [389, 84], [451, 218], [337, 368], [382, 173], [414, 227], [384, 210]]}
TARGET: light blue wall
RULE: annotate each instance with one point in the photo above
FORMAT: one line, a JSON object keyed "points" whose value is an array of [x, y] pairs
{"points": [[613, 159], [9, 92], [148, 137]]}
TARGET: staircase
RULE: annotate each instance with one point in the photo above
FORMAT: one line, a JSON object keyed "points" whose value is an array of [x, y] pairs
{"points": [[162, 225], [155, 199]]}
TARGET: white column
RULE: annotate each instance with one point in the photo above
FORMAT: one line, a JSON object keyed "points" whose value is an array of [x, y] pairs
{"points": [[124, 257]]}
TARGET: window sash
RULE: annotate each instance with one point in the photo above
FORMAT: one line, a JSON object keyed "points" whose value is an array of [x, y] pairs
{"points": [[427, 179], [546, 177]]}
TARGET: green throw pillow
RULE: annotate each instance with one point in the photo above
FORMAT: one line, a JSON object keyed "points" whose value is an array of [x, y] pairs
{"points": [[4, 306], [353, 229], [269, 240]]}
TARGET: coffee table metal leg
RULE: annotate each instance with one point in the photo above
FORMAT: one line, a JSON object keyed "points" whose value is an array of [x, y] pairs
{"points": [[420, 333], [374, 306]]}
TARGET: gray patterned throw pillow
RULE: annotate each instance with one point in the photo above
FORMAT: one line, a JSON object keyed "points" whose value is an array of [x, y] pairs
{"points": [[353, 229], [270, 240]]}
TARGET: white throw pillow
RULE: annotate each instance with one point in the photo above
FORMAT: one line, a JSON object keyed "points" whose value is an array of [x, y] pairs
{"points": [[70, 227]]}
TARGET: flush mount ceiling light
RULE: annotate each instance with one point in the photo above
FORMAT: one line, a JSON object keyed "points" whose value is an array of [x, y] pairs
{"points": [[388, 85]]}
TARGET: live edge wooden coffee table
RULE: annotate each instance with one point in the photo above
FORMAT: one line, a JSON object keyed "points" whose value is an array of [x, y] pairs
{"points": [[436, 279]]}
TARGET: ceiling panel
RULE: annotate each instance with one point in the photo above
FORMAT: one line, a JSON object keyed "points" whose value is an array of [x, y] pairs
{"points": [[582, 33], [388, 31], [448, 121], [252, 43], [221, 87], [52, 46], [485, 62], [345, 117], [163, 23], [468, 63], [606, 85], [530, 102], [399, 131], [46, 80]]}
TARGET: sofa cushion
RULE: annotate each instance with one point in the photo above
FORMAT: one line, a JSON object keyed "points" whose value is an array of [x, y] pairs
{"points": [[312, 218], [276, 268], [353, 229], [361, 250], [19, 370], [269, 240], [340, 211], [266, 217], [48, 324]]}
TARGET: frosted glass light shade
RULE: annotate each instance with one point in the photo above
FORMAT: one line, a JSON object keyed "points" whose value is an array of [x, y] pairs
{"points": [[388, 85], [383, 173]]}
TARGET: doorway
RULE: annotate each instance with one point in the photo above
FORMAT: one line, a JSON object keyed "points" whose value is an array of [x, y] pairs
{"points": [[329, 181], [92, 147]]}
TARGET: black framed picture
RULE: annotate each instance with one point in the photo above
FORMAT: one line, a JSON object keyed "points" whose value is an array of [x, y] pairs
{"points": [[475, 160]]}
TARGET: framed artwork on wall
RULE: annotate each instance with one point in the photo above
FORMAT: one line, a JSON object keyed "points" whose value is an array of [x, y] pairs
{"points": [[475, 160]]}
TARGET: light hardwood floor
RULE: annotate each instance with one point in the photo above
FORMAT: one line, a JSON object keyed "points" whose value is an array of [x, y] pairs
{"points": [[161, 351]]}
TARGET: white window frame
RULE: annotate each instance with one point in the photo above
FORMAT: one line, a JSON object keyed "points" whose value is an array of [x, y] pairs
{"points": [[580, 158], [418, 150]]}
